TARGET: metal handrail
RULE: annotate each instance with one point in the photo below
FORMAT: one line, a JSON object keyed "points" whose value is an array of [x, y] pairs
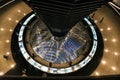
{"points": [[5, 3], [115, 7]]}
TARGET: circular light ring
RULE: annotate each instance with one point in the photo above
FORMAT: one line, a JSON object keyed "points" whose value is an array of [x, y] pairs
{"points": [[56, 70]]}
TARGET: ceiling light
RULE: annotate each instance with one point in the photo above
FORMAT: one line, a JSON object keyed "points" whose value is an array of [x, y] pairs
{"points": [[103, 62], [1, 73], [19, 11], [115, 53], [16, 21], [9, 19], [106, 50], [113, 68], [108, 28], [97, 73], [105, 39], [96, 21], [24, 14], [10, 30], [7, 41], [2, 29], [13, 65], [8, 53], [101, 29], [113, 40]]}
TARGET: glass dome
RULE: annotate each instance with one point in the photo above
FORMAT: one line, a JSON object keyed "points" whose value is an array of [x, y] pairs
{"points": [[59, 49]]}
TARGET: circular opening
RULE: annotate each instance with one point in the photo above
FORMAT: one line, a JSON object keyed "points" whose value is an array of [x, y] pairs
{"points": [[57, 55]]}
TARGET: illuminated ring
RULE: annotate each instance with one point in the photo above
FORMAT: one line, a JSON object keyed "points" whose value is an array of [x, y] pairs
{"points": [[56, 70]]}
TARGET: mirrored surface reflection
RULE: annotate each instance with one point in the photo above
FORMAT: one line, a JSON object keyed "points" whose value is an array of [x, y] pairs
{"points": [[12, 15]]}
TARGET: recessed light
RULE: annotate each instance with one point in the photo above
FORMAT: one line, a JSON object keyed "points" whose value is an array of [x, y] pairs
{"points": [[101, 29], [7, 41], [113, 68], [2, 29], [103, 62], [10, 30], [1, 73], [108, 28], [24, 14], [106, 50], [97, 73], [19, 11], [16, 21], [115, 53], [9, 19], [8, 53], [105, 39], [113, 40], [95, 21], [13, 65]]}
